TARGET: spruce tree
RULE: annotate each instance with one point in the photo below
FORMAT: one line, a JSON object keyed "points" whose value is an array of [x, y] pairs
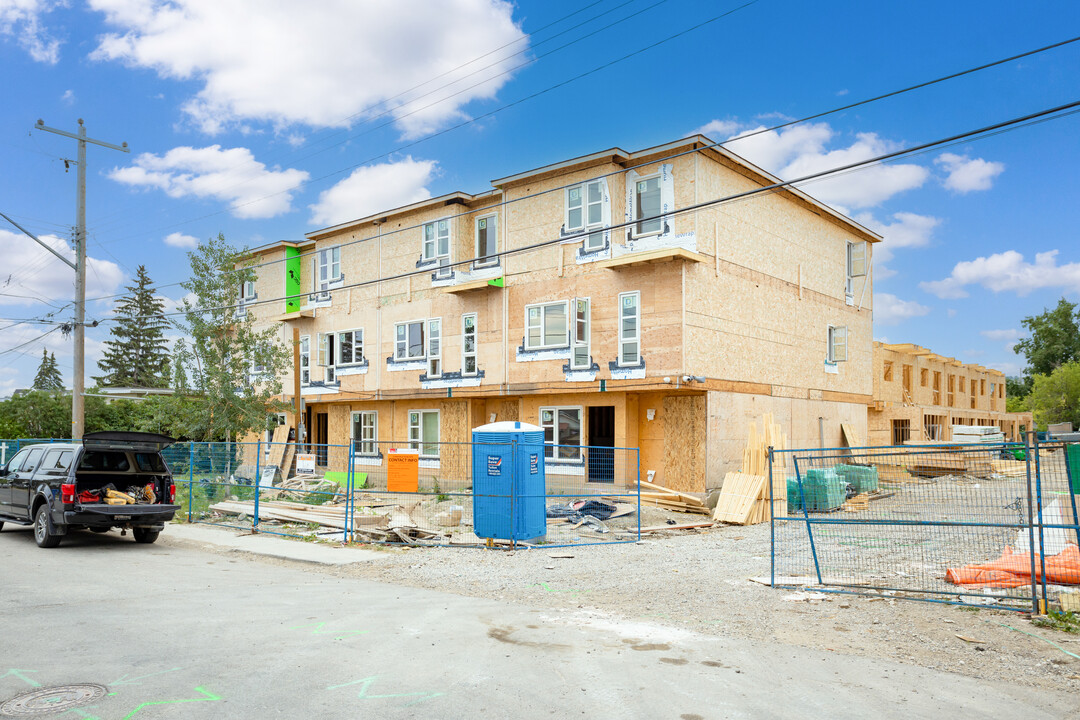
{"points": [[48, 376], [137, 353]]}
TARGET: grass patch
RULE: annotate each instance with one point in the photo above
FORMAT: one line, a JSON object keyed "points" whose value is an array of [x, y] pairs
{"points": [[1057, 620]]}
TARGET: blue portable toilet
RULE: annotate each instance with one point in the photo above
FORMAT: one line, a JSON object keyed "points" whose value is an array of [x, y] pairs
{"points": [[508, 481]]}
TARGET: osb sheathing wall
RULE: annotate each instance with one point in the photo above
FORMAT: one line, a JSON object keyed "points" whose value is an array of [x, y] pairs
{"points": [[684, 446]]}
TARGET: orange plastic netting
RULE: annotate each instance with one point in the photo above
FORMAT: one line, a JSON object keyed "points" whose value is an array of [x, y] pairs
{"points": [[1014, 569]]}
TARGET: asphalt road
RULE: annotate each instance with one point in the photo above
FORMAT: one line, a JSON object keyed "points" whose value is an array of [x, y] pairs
{"points": [[175, 631]]}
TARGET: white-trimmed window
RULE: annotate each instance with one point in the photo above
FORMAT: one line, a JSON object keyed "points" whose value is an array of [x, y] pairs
{"points": [[838, 342], [647, 205], [434, 348], [856, 265], [562, 432], [247, 291], [365, 433], [350, 347], [409, 340], [630, 328], [468, 344], [585, 211], [579, 358], [487, 241], [424, 432], [325, 357], [305, 359], [437, 244], [546, 325], [327, 269]]}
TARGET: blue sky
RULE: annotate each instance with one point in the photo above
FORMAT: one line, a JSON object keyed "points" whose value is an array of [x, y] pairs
{"points": [[265, 120]]}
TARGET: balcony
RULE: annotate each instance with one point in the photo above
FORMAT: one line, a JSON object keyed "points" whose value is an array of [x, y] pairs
{"points": [[652, 256]]}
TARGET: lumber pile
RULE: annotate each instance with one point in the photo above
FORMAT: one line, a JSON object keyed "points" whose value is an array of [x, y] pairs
{"points": [[857, 503], [977, 434], [300, 486], [894, 474], [654, 495], [1009, 468], [942, 462], [744, 498]]}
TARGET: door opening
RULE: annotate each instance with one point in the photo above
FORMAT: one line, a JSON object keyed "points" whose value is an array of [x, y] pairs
{"points": [[601, 444]]}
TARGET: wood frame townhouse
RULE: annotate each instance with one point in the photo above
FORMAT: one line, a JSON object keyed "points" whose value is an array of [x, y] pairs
{"points": [[579, 298]]}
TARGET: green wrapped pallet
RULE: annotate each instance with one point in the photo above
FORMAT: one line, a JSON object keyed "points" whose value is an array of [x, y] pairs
{"points": [[861, 477], [823, 488], [1072, 457]]}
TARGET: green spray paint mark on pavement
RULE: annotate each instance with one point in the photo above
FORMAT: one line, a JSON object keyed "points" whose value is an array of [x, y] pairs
{"points": [[548, 588], [83, 714], [209, 697], [319, 631], [368, 681], [19, 674]]}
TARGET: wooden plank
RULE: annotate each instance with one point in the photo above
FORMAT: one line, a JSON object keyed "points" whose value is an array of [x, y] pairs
{"points": [[684, 497], [737, 497], [851, 437], [687, 526]]}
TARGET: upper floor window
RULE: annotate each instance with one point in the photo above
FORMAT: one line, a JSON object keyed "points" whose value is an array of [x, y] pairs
{"points": [[546, 326], [350, 347], [487, 240], [838, 342], [585, 211], [305, 359], [327, 347], [247, 290], [409, 340], [856, 265], [581, 359], [629, 328], [437, 242], [468, 344], [329, 268], [647, 205], [434, 347]]}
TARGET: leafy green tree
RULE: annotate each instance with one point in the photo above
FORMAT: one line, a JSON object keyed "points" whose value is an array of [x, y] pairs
{"points": [[36, 414], [1054, 339], [1017, 387], [225, 348], [1056, 397], [137, 353], [48, 376]]}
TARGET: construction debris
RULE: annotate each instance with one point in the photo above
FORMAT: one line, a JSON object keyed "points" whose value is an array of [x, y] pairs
{"points": [[659, 496], [744, 497]]}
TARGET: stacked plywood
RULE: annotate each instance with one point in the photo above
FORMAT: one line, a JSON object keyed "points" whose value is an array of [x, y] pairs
{"points": [[980, 434], [1009, 468], [744, 498]]}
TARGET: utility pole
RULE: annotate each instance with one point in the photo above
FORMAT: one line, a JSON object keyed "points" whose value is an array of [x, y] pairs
{"points": [[78, 381]]}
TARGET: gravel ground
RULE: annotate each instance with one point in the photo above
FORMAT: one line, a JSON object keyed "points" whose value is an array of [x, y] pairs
{"points": [[698, 580]]}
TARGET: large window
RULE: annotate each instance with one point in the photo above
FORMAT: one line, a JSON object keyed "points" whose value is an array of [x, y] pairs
{"points": [[487, 240], [350, 347], [856, 265], [326, 356], [585, 211], [837, 343], [424, 432], [647, 205], [434, 348], [305, 359], [365, 431], [562, 432], [580, 358], [630, 328], [546, 326], [468, 344], [437, 244], [328, 269], [247, 290], [409, 343]]}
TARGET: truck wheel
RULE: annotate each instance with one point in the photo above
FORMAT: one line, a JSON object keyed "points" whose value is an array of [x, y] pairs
{"points": [[42, 536], [99, 529], [142, 535]]}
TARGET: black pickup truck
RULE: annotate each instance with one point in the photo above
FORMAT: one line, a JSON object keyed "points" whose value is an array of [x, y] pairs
{"points": [[111, 479]]}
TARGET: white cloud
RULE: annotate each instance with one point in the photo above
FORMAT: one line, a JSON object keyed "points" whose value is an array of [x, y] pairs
{"points": [[68, 97], [1011, 369], [230, 175], [908, 230], [373, 188], [804, 149], [43, 275], [1007, 271], [951, 312], [180, 240], [966, 174], [891, 310], [270, 61], [21, 19], [1009, 337]]}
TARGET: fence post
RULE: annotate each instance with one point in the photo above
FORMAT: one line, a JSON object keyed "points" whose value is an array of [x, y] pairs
{"points": [[349, 475], [806, 515], [1031, 527], [258, 478], [1042, 533], [637, 484], [772, 525], [191, 477]]}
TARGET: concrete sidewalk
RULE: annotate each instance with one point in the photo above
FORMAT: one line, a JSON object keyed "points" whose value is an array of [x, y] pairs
{"points": [[266, 545]]}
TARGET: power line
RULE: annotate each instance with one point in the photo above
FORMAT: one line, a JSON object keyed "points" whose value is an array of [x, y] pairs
{"points": [[32, 340], [789, 123], [987, 131]]}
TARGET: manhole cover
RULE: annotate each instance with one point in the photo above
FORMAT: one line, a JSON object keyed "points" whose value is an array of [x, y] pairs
{"points": [[45, 701]]}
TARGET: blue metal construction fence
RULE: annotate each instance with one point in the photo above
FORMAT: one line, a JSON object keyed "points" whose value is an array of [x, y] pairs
{"points": [[971, 524], [350, 493]]}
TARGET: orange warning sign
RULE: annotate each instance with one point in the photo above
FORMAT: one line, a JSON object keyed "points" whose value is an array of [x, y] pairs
{"points": [[403, 471]]}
